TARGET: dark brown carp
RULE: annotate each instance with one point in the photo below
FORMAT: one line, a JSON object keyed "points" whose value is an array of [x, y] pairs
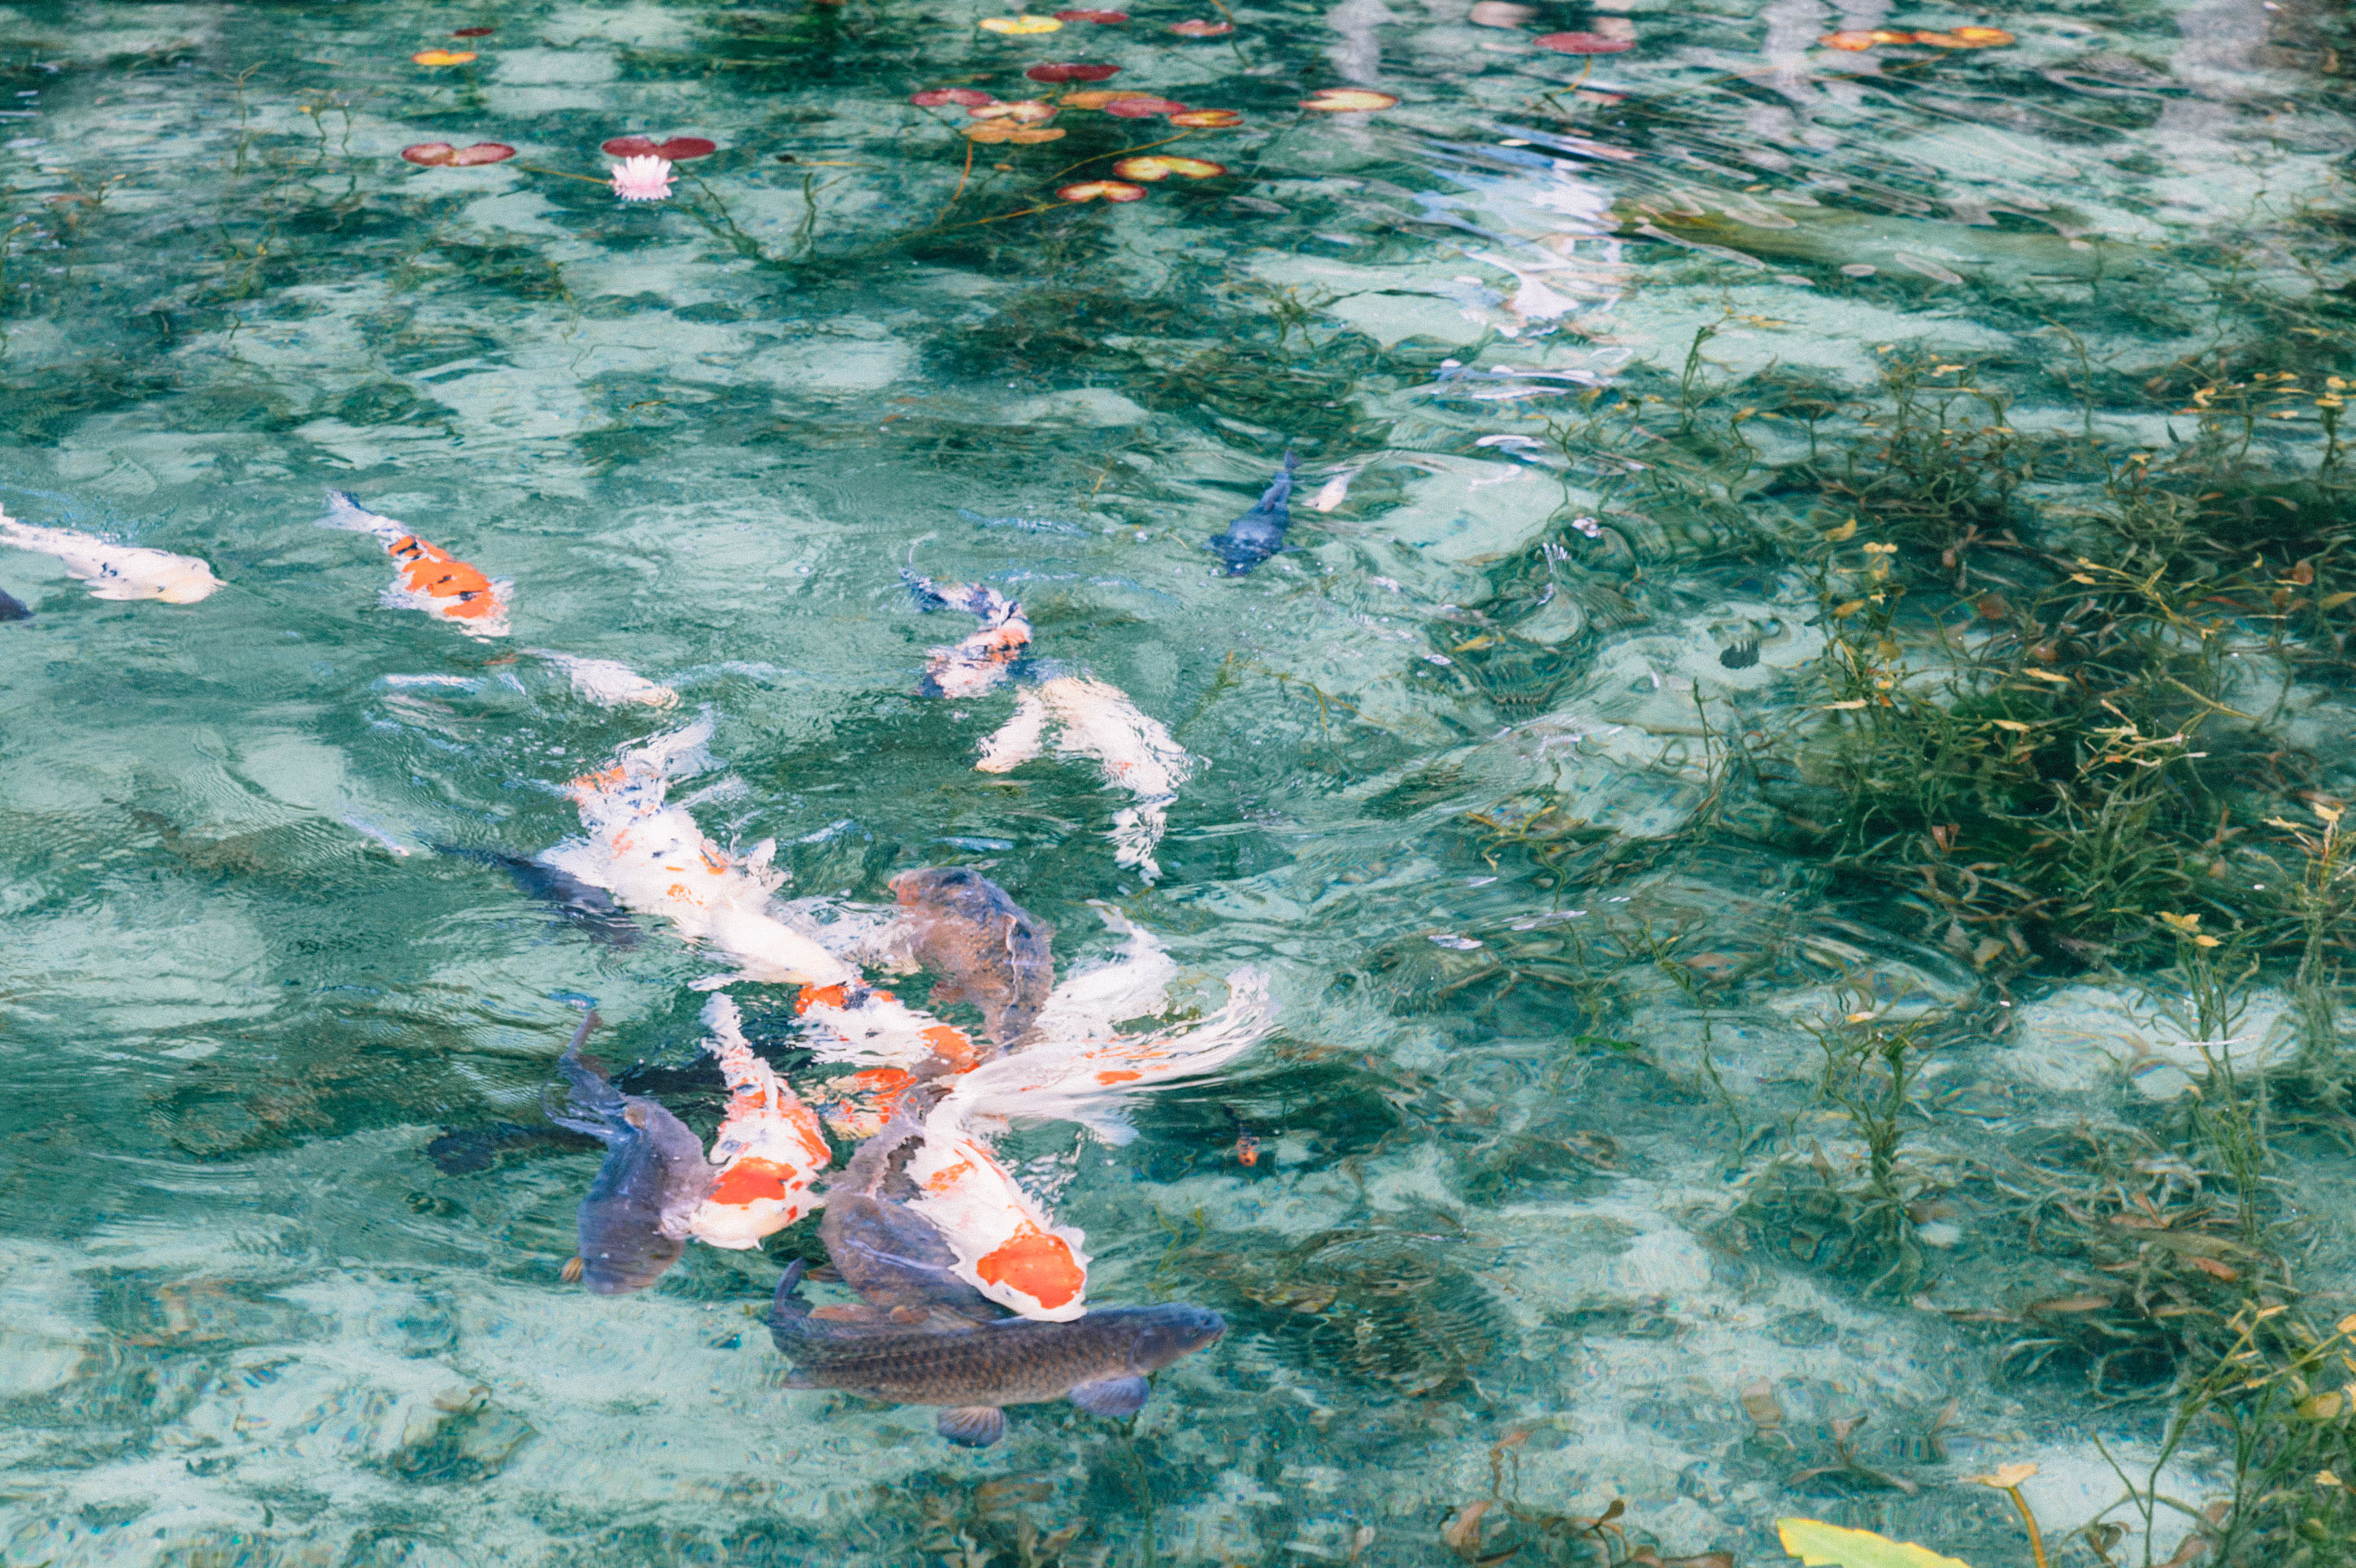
{"points": [[1098, 1361], [987, 949], [634, 1221]]}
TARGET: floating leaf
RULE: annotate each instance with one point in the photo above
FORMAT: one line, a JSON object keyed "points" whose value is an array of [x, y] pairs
{"points": [[1201, 29], [1030, 134], [964, 96], [1090, 100], [994, 131], [1501, 14], [1025, 111], [677, 150], [1348, 101], [1102, 19], [1583, 44], [434, 154], [1983, 38], [473, 32], [1109, 190], [1020, 25], [1941, 41], [1135, 106], [1818, 1544], [1891, 36], [482, 153], [442, 56], [1207, 118], [1160, 166], [1069, 71], [1850, 39], [2006, 1476]]}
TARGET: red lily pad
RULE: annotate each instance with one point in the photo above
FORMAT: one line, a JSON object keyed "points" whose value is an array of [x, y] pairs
{"points": [[1143, 108], [1067, 71], [677, 150], [1207, 118], [432, 154], [1583, 44], [934, 97], [474, 32], [1201, 29], [1102, 19], [481, 153]]}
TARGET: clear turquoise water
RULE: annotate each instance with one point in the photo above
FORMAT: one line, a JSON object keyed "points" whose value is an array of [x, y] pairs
{"points": [[248, 1319]]}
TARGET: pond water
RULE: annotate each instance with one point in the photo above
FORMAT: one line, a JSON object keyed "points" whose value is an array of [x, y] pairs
{"points": [[1783, 794]]}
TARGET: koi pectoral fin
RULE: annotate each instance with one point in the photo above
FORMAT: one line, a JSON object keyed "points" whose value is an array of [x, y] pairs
{"points": [[1114, 1397], [975, 1426]]}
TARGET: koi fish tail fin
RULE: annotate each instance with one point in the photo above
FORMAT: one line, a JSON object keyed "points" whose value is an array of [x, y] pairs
{"points": [[344, 511], [786, 1305]]}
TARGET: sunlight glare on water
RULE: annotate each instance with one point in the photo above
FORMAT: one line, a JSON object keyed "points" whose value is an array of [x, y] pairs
{"points": [[1751, 892]]}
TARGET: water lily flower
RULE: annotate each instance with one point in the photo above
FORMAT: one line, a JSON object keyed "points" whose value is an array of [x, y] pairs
{"points": [[646, 178]]}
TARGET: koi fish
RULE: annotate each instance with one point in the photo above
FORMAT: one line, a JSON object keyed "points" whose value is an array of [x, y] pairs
{"points": [[897, 1261], [1333, 492], [427, 577], [860, 1105], [860, 1023], [982, 660], [1085, 1079], [1006, 1245], [607, 683], [987, 949], [1133, 752], [11, 608], [975, 1369], [589, 908], [654, 859], [1246, 1149], [769, 1147], [1089, 1002], [1259, 533], [114, 571], [634, 1223]]}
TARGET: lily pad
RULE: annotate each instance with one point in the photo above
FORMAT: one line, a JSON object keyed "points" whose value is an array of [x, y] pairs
{"points": [[1136, 106], [1068, 70], [1108, 190], [473, 32], [1202, 29], [1101, 18], [1020, 25], [994, 131], [1583, 44], [1849, 38], [1025, 111], [964, 96], [1160, 166], [677, 150], [1983, 38], [1207, 118], [443, 57], [1830, 1546]]}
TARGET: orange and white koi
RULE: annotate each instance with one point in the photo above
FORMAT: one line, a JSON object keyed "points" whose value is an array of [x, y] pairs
{"points": [[859, 1023], [1133, 752], [1006, 1244], [1085, 1081], [769, 1147], [981, 661], [116, 570], [860, 1105], [1087, 1004], [654, 859], [427, 577], [607, 683]]}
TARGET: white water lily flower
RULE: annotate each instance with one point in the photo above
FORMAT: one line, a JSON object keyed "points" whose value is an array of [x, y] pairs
{"points": [[642, 179]]}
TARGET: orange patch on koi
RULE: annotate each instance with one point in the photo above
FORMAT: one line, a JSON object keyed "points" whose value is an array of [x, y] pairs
{"points": [[750, 1178], [1037, 1265]]}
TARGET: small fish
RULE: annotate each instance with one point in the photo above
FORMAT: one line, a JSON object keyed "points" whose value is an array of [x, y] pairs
{"points": [[11, 610], [115, 571], [1246, 1149], [1741, 654], [1259, 533], [1133, 752], [634, 1223], [1023, 525], [428, 577], [987, 949], [1100, 1362], [982, 660], [590, 908], [461, 1151], [1333, 492]]}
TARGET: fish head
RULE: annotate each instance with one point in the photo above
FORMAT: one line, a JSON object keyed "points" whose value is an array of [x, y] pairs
{"points": [[187, 586], [1171, 1333], [932, 883]]}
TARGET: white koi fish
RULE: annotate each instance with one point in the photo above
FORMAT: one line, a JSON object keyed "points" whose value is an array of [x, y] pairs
{"points": [[1133, 752], [654, 859], [428, 577], [769, 1147], [856, 1022], [607, 683], [1084, 1080], [117, 571], [1006, 1244], [1086, 1006]]}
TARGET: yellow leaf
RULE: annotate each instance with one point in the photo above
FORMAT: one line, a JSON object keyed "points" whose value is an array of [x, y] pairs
{"points": [[1818, 1544], [443, 57], [1833, 706], [2322, 1407], [2333, 601], [2015, 725], [2006, 1477], [2205, 942], [1018, 25], [2047, 674], [1842, 612], [1848, 530], [2079, 577]]}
